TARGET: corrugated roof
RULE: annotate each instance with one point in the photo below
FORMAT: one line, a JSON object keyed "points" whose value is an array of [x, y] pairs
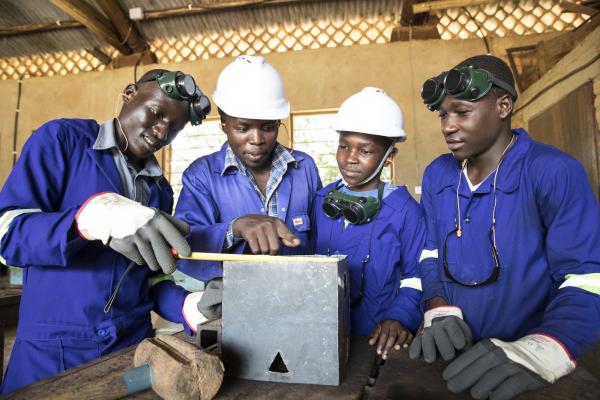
{"points": [[26, 12], [253, 16]]}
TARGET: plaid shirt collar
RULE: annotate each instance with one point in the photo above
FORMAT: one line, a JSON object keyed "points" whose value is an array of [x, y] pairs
{"points": [[281, 159]]}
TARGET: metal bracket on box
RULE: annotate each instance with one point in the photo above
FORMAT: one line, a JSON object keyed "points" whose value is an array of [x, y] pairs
{"points": [[208, 337]]}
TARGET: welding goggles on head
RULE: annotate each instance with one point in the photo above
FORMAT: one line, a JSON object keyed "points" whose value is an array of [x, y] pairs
{"points": [[355, 209], [180, 86], [463, 83]]}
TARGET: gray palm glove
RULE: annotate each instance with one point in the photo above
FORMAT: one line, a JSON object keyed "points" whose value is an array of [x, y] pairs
{"points": [[489, 373], [502, 370], [211, 301], [445, 332], [152, 242], [140, 233]]}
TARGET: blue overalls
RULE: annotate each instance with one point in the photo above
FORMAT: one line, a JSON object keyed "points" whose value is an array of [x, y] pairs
{"points": [[385, 251], [211, 198], [67, 280], [548, 244]]}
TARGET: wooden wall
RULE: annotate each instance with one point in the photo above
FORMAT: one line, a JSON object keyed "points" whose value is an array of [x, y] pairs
{"points": [[570, 125]]}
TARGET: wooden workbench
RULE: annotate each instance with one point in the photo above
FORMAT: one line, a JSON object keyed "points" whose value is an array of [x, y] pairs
{"points": [[402, 378], [359, 367], [9, 315], [398, 378]]}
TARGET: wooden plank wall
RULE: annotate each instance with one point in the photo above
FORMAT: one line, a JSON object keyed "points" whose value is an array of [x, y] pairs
{"points": [[570, 125]]}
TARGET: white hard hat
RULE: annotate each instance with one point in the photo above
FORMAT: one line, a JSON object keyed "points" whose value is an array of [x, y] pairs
{"points": [[251, 88], [373, 112]]}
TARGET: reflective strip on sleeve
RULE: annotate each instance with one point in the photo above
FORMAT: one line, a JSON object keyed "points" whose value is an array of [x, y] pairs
{"points": [[159, 278], [587, 282], [7, 218], [428, 254], [414, 283]]}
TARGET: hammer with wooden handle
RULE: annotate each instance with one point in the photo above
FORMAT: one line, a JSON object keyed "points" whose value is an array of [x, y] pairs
{"points": [[172, 367]]}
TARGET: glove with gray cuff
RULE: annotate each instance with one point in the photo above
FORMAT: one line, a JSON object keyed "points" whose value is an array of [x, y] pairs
{"points": [[501, 370], [444, 331], [142, 234]]}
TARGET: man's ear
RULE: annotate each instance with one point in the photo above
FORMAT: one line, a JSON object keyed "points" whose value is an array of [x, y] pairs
{"points": [[505, 106], [391, 156], [129, 92]]}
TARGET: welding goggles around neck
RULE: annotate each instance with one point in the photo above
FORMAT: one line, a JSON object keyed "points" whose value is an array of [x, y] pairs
{"points": [[180, 86], [355, 209], [463, 83]]}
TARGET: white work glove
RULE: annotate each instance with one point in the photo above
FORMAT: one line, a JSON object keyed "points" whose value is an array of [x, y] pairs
{"points": [[501, 370], [444, 330], [140, 233], [192, 316], [200, 307]]}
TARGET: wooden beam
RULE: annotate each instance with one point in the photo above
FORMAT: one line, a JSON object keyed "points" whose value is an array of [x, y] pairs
{"points": [[407, 13], [36, 28], [415, 32], [408, 17], [94, 21], [445, 4], [127, 30], [568, 6], [195, 9], [579, 66]]}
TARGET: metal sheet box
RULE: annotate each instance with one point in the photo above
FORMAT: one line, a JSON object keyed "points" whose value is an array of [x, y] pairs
{"points": [[286, 320]]}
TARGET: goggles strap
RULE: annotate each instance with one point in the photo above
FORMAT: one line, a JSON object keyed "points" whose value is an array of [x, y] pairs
{"points": [[503, 85]]}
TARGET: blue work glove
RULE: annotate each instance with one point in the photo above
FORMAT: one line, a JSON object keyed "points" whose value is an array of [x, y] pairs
{"points": [[502, 370], [444, 331]]}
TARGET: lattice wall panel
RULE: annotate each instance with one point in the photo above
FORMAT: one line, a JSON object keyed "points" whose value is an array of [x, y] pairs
{"points": [[60, 63], [288, 37], [506, 18]]}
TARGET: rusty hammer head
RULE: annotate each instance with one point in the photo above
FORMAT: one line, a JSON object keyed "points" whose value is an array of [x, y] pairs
{"points": [[179, 369]]}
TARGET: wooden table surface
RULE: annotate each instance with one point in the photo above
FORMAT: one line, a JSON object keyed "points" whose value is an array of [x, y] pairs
{"points": [[9, 315], [359, 366], [406, 379], [398, 378], [9, 305]]}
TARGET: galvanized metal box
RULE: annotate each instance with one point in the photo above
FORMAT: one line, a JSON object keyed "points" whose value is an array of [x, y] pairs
{"points": [[286, 320]]}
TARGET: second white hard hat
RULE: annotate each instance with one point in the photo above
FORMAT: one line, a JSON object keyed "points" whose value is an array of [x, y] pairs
{"points": [[251, 88], [373, 112]]}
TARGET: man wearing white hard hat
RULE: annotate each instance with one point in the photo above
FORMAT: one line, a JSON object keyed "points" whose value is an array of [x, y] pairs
{"points": [[254, 194], [379, 226]]}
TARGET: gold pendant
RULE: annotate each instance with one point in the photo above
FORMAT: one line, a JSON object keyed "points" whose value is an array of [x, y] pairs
{"points": [[459, 232]]}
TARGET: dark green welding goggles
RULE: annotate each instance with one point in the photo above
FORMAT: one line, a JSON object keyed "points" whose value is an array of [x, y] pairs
{"points": [[356, 209], [180, 86], [463, 83]]}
